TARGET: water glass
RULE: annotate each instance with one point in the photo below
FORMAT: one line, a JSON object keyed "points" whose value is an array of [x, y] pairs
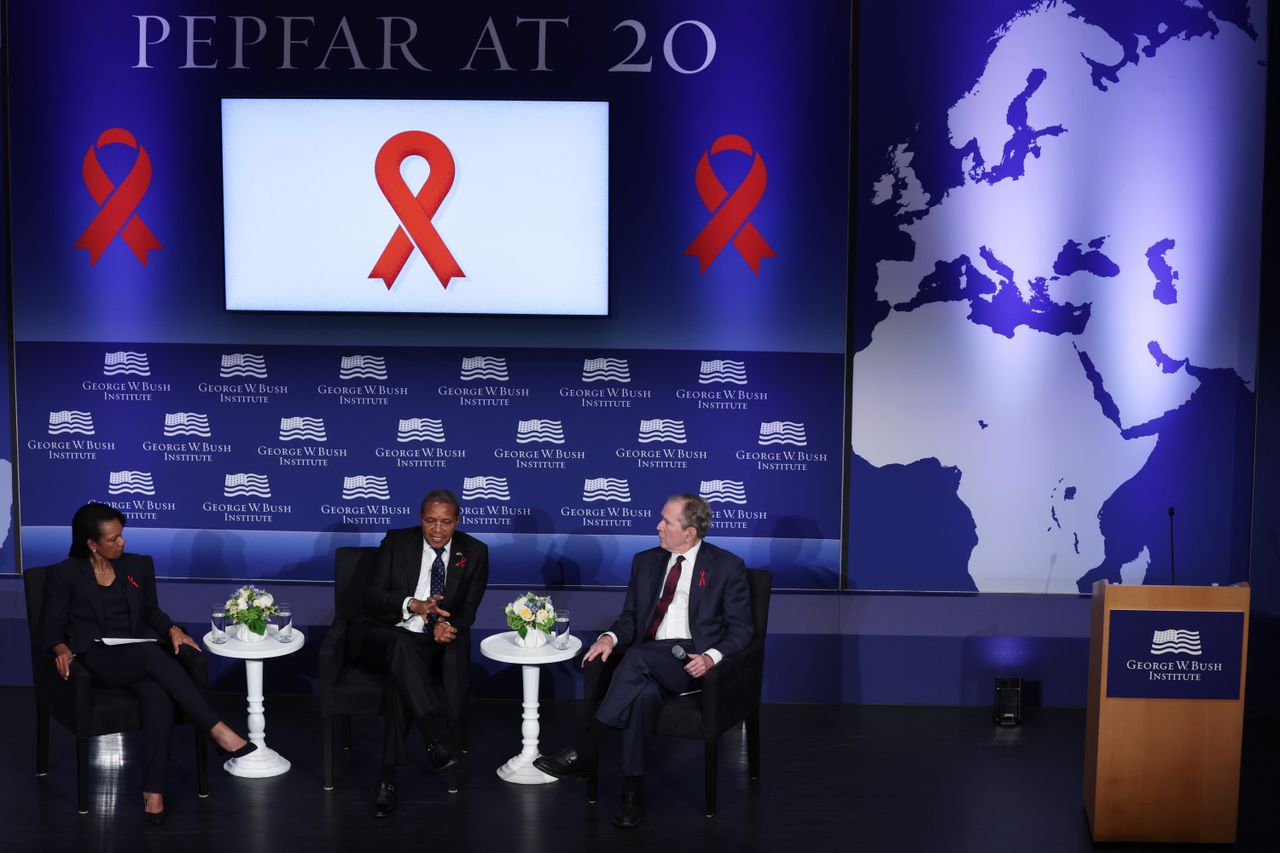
{"points": [[284, 624], [562, 629], [218, 618]]}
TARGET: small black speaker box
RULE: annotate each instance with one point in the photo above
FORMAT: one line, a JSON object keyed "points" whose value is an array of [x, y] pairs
{"points": [[1008, 708]]}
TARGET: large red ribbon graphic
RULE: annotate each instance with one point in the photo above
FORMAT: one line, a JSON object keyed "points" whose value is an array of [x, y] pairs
{"points": [[415, 212], [117, 203], [731, 218]]}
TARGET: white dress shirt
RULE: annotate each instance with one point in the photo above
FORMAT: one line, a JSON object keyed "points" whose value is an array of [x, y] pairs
{"points": [[675, 624], [412, 621]]}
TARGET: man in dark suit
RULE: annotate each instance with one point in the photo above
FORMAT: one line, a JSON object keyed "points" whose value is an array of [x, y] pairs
{"points": [[422, 595], [685, 592]]}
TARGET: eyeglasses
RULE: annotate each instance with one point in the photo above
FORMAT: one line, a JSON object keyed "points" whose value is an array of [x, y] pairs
{"points": [[435, 522]]}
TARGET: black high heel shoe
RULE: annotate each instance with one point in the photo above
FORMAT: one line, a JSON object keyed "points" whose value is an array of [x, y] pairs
{"points": [[249, 746]]}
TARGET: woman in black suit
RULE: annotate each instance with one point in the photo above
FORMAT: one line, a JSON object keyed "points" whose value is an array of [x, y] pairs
{"points": [[100, 591]]}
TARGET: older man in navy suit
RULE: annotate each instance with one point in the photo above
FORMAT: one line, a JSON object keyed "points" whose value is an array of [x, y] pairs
{"points": [[685, 592]]}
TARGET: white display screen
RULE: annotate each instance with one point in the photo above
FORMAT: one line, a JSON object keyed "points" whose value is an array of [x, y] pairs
{"points": [[458, 207]]}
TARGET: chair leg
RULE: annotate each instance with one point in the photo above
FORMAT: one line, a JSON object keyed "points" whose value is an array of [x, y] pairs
{"points": [[202, 764], [712, 757], [42, 742], [453, 779], [753, 746], [82, 775], [591, 780], [326, 727], [345, 722]]}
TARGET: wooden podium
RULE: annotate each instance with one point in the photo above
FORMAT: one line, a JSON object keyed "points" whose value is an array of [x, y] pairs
{"points": [[1165, 768]]}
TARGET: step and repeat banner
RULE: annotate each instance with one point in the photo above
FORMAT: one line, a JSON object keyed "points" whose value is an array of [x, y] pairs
{"points": [[1056, 293], [281, 269]]}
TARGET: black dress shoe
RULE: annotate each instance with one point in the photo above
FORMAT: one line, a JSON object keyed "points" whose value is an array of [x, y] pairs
{"points": [[154, 818], [566, 764], [384, 805], [628, 816], [440, 756]]}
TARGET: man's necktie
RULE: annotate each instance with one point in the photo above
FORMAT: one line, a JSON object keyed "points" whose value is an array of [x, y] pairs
{"points": [[437, 581], [668, 593]]}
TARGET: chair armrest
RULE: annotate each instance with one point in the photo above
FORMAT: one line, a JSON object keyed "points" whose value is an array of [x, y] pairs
{"points": [[333, 654], [731, 689]]}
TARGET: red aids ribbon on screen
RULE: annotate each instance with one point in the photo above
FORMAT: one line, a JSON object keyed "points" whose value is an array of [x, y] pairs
{"points": [[117, 203], [415, 212], [730, 211]]}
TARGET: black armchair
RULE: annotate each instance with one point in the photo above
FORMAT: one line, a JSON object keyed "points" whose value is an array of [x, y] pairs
{"points": [[346, 688], [730, 695], [87, 711]]}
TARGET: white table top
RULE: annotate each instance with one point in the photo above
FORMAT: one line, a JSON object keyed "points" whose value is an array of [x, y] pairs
{"points": [[269, 647], [502, 647]]}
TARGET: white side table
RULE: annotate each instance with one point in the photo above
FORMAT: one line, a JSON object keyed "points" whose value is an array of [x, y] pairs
{"points": [[502, 647], [263, 761]]}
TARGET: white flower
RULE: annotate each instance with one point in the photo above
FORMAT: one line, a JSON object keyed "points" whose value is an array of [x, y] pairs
{"points": [[542, 616], [507, 609], [525, 613], [264, 600]]}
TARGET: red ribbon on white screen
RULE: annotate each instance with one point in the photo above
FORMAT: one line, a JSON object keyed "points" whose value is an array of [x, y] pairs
{"points": [[415, 211]]}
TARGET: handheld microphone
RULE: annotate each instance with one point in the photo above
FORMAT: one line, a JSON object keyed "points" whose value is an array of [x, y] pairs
{"points": [[680, 654]]}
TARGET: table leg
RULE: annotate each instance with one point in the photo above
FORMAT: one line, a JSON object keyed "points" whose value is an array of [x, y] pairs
{"points": [[264, 761], [520, 769]]}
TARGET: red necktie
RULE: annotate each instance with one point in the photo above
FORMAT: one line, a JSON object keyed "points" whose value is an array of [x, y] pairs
{"points": [[668, 593]]}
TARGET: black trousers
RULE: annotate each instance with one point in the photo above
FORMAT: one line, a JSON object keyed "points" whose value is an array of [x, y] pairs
{"points": [[152, 673], [646, 676], [415, 688]]}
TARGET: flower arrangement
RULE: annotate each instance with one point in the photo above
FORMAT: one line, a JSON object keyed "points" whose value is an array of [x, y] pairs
{"points": [[531, 611], [250, 606]]}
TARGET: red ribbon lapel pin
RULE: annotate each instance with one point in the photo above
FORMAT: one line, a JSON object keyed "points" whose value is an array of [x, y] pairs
{"points": [[117, 203], [462, 562], [730, 211], [702, 577], [132, 581], [415, 211]]}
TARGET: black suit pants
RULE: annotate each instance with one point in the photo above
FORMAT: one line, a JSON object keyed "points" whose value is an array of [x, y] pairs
{"points": [[152, 674], [644, 679], [415, 688]]}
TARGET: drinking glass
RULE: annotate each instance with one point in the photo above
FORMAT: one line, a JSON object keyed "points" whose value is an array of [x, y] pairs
{"points": [[284, 624], [218, 618], [562, 629]]}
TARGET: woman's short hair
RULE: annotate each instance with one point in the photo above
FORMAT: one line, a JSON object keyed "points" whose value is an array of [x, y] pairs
{"points": [[86, 524]]}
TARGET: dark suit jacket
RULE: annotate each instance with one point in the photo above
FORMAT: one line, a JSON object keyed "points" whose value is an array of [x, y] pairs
{"points": [[719, 599], [395, 576], [73, 604]]}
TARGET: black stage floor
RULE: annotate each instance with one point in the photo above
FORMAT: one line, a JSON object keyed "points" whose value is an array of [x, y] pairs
{"points": [[834, 778]]}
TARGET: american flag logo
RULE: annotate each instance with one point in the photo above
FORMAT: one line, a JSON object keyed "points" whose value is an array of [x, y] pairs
{"points": [[246, 485], [605, 370], [606, 489], [362, 367], [243, 364], [70, 421], [783, 432], [186, 423], [484, 367], [722, 370], [1175, 641], [662, 429], [302, 429], [130, 482], [126, 363]]}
